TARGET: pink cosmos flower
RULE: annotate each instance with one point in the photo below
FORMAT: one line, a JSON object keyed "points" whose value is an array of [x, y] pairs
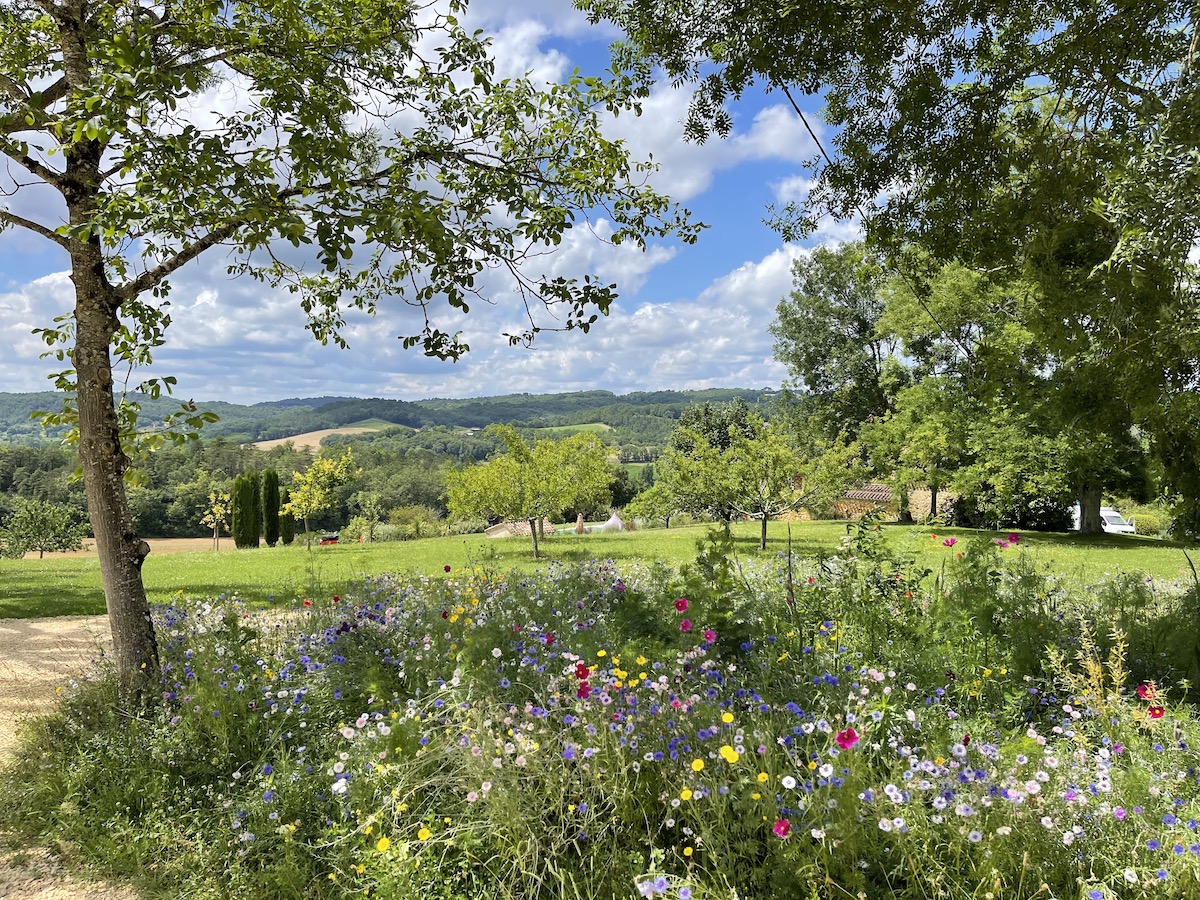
{"points": [[1156, 712], [685, 625], [1145, 691], [583, 691], [782, 828], [710, 636], [681, 604], [949, 542], [846, 739], [1013, 537]]}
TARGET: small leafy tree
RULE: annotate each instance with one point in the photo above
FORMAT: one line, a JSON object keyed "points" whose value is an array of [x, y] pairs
{"points": [[531, 482], [270, 506], [217, 515], [41, 525], [313, 491], [656, 503]]}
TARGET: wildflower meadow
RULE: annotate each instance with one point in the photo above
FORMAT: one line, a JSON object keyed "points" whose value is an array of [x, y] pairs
{"points": [[848, 726]]}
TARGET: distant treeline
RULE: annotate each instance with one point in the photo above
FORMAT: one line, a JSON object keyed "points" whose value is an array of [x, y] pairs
{"points": [[642, 418]]}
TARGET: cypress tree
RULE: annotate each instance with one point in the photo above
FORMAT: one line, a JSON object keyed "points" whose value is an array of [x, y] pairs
{"points": [[244, 527], [270, 504], [287, 522], [256, 487]]}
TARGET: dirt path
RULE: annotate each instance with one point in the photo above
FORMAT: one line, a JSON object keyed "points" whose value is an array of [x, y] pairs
{"points": [[37, 657]]}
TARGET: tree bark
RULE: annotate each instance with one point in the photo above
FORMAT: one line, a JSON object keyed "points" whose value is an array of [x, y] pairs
{"points": [[762, 543], [104, 463], [533, 532], [933, 498], [1089, 510]]}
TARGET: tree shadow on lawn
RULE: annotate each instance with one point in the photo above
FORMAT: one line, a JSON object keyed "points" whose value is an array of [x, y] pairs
{"points": [[29, 599]]}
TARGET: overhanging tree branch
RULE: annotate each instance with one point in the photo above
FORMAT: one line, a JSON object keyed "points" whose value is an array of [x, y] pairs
{"points": [[11, 218]]}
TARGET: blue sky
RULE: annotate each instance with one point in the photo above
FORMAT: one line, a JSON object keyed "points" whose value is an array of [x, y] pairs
{"points": [[689, 316]]}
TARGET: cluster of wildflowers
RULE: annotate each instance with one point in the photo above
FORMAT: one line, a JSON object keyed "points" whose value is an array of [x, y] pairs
{"points": [[417, 720]]}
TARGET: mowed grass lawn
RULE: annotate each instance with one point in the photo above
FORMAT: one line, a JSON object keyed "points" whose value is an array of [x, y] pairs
{"points": [[61, 586]]}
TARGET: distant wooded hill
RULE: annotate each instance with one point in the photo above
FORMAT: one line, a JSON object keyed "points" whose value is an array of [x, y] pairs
{"points": [[641, 418]]}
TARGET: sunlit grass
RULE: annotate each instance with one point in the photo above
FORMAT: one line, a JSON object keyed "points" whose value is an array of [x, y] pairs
{"points": [[72, 585]]}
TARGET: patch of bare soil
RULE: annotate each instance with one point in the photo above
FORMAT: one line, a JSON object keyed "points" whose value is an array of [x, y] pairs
{"points": [[38, 657]]}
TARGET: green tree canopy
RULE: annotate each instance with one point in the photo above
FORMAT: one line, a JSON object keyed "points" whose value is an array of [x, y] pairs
{"points": [[315, 490], [532, 482], [42, 526], [827, 332]]}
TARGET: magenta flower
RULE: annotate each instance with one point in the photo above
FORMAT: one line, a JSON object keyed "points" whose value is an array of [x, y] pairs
{"points": [[949, 542], [782, 828], [1013, 537], [685, 625], [681, 604], [710, 636], [846, 739]]}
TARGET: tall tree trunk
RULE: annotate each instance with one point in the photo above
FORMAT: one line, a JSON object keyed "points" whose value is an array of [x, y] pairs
{"points": [[762, 543], [933, 492], [1089, 509], [104, 463], [533, 532]]}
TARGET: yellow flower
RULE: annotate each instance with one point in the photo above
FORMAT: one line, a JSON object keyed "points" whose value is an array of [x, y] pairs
{"points": [[360, 868], [726, 717], [762, 777], [424, 834], [368, 829], [641, 661], [687, 851], [697, 765], [685, 794], [940, 761], [602, 653], [812, 763], [730, 755], [756, 796], [987, 673], [383, 843]]}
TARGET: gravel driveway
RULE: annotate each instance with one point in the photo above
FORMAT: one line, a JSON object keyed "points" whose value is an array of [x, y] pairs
{"points": [[38, 656]]}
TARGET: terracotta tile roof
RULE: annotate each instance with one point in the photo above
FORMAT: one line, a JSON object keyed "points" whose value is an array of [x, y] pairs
{"points": [[875, 493]]}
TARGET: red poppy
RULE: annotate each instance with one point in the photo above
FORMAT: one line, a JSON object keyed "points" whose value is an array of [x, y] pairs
{"points": [[308, 603], [337, 599], [445, 615], [445, 568]]}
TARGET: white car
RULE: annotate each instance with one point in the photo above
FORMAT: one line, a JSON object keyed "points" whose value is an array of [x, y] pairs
{"points": [[1110, 520]]}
